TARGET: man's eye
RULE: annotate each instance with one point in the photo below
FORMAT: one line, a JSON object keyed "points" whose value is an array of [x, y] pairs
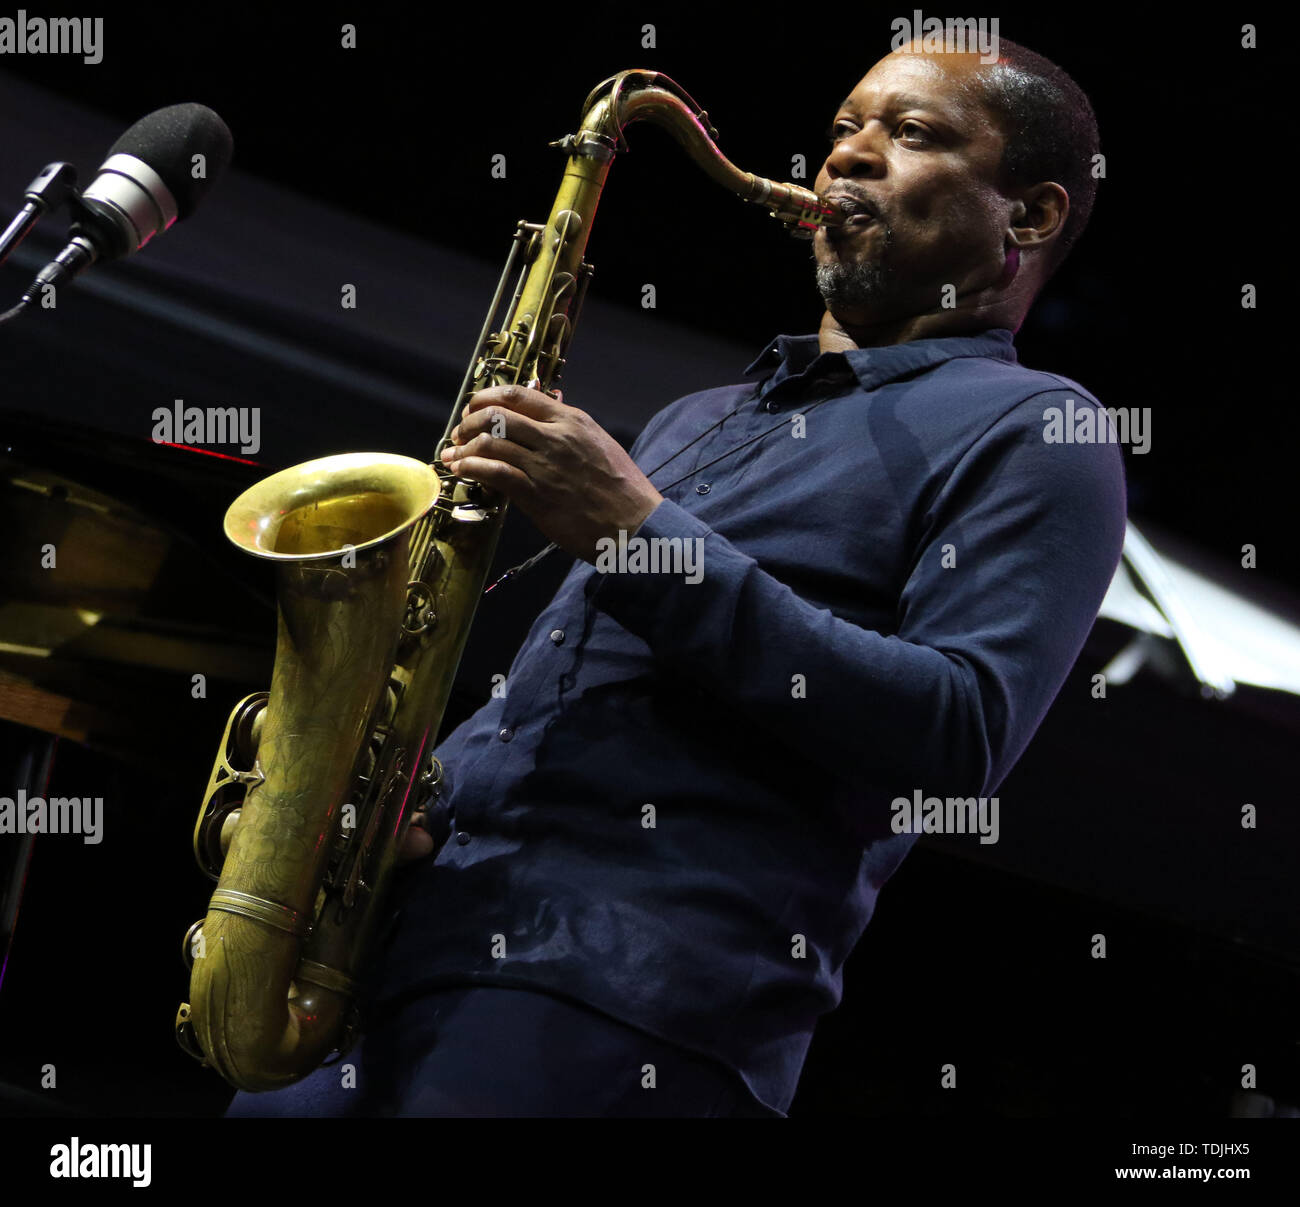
{"points": [[910, 129]]}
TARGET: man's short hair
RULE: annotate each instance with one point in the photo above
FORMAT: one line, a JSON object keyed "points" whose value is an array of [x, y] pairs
{"points": [[1050, 131]]}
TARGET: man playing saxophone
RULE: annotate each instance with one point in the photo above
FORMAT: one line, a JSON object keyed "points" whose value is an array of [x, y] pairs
{"points": [[652, 856]]}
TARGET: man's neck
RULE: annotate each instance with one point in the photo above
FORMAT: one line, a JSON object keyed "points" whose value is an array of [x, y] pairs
{"points": [[837, 336]]}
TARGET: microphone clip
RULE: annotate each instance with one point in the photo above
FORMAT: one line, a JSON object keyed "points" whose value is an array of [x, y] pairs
{"points": [[55, 186]]}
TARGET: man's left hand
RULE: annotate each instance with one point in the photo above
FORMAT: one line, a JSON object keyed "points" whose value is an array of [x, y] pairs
{"points": [[566, 473]]}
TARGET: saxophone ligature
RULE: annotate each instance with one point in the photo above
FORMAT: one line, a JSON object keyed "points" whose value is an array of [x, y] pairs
{"points": [[381, 561]]}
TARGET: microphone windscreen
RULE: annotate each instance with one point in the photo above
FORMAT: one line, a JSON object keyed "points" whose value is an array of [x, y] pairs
{"points": [[168, 139]]}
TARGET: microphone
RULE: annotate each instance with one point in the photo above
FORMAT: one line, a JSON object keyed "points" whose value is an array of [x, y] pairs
{"points": [[147, 183]]}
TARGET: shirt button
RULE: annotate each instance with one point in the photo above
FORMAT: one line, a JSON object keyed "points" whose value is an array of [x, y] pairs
{"points": [[703, 488], [557, 636], [462, 837], [771, 405], [506, 734]]}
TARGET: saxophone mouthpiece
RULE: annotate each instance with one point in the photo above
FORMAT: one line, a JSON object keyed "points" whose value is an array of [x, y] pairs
{"points": [[801, 210], [836, 215]]}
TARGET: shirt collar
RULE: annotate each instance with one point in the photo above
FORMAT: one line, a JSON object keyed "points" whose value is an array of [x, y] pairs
{"points": [[791, 354]]}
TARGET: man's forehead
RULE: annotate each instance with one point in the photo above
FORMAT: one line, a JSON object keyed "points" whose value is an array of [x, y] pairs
{"points": [[945, 82]]}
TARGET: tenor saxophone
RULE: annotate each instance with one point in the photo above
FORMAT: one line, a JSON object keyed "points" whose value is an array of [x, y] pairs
{"points": [[381, 561]]}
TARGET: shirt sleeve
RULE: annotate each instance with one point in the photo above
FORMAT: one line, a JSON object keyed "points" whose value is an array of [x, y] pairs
{"points": [[1017, 550]]}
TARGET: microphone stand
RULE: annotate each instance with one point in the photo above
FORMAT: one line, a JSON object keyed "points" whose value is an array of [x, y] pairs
{"points": [[55, 186]]}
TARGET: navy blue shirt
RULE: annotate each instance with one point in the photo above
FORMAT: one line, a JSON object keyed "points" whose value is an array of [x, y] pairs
{"points": [[679, 812]]}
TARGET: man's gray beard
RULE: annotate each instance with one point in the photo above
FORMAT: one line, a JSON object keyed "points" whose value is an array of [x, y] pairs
{"points": [[852, 286]]}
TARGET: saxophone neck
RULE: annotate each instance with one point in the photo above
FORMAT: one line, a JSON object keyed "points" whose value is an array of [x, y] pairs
{"points": [[643, 95]]}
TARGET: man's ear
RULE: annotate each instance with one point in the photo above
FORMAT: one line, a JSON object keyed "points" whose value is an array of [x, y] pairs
{"points": [[1039, 216]]}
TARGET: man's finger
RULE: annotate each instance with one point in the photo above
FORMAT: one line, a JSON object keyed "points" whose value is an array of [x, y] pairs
{"points": [[532, 403], [499, 424], [508, 479], [488, 447]]}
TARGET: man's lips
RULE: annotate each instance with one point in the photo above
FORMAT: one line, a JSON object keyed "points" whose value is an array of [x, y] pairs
{"points": [[856, 210]]}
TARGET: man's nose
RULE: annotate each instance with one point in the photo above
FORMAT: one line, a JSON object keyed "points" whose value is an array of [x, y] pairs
{"points": [[854, 155]]}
